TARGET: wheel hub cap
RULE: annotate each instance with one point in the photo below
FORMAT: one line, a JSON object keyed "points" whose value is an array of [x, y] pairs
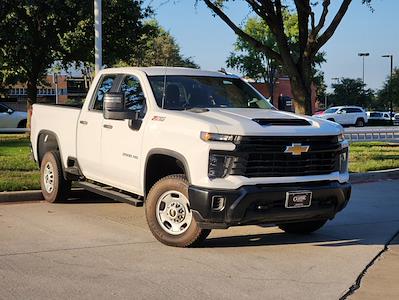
{"points": [[173, 212], [48, 175]]}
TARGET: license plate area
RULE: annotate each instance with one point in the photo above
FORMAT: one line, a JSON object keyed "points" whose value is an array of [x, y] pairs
{"points": [[298, 199]]}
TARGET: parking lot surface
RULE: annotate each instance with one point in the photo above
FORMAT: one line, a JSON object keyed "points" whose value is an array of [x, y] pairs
{"points": [[94, 248]]}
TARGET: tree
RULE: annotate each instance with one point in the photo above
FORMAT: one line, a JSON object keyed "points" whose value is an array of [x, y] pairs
{"points": [[35, 33], [383, 94], [160, 49], [256, 64], [352, 92], [311, 37]]}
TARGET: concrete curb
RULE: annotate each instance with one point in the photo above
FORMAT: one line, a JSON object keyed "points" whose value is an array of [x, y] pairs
{"points": [[374, 176], [20, 196], [34, 195], [23, 196]]}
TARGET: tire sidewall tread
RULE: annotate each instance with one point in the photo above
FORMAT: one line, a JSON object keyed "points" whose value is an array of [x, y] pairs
{"points": [[193, 235]]}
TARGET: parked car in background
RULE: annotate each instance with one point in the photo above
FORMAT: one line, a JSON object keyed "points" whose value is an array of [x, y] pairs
{"points": [[10, 119], [396, 119], [345, 115], [378, 118]]}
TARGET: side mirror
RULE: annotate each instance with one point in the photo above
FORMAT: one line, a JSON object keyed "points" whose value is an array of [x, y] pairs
{"points": [[339, 112], [10, 111], [114, 107]]}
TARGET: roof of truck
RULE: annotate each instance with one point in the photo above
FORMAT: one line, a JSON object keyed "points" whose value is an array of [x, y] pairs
{"points": [[161, 71]]}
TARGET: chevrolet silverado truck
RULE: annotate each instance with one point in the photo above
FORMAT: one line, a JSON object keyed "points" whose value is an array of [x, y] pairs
{"points": [[200, 150]]}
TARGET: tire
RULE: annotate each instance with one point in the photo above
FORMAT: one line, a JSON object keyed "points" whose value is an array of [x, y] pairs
{"points": [[54, 186], [169, 215], [359, 122], [302, 227], [22, 124]]}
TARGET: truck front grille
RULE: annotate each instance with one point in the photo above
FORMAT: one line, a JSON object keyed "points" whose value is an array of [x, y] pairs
{"points": [[265, 157]]}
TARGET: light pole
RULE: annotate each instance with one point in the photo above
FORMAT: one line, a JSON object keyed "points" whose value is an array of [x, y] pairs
{"points": [[363, 55], [390, 86], [98, 35]]}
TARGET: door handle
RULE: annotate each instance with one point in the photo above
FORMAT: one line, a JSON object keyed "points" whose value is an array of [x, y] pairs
{"points": [[107, 126], [83, 122]]}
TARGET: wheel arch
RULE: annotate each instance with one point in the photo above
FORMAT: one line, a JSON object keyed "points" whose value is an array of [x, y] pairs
{"points": [[163, 162], [47, 141]]}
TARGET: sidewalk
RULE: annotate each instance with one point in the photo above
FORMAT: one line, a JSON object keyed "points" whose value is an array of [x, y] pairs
{"points": [[381, 280]]}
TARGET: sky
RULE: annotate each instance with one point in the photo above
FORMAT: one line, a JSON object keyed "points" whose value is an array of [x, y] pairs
{"points": [[208, 40]]}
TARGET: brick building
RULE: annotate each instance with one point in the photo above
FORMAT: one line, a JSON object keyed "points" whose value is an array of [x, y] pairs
{"points": [[282, 98], [70, 89]]}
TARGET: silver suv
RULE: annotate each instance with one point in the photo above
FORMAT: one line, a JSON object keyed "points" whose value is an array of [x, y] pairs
{"points": [[345, 115]]}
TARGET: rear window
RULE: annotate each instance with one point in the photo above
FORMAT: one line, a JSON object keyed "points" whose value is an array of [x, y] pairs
{"points": [[331, 110]]}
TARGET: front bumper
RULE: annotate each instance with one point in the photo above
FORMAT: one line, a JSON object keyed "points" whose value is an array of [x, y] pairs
{"points": [[265, 204]]}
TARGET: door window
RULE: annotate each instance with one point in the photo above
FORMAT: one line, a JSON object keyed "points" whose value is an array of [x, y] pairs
{"points": [[3, 109], [134, 96], [104, 87]]}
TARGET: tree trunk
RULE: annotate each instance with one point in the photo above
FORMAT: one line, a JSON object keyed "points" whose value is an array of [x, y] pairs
{"points": [[32, 97], [302, 96]]}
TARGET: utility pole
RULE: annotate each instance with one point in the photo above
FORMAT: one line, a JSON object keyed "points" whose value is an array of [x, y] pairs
{"points": [[390, 87], [98, 35], [363, 55]]}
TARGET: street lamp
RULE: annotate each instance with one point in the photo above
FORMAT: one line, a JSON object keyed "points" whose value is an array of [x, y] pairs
{"points": [[98, 35], [390, 86], [363, 55]]}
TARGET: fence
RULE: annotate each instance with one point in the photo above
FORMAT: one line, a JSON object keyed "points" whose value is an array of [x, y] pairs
{"points": [[388, 134]]}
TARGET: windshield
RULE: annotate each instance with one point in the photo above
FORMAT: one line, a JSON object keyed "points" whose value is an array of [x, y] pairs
{"points": [[186, 92], [331, 110]]}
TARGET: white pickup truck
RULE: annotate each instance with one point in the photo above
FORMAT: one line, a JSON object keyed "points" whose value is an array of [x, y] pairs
{"points": [[200, 150]]}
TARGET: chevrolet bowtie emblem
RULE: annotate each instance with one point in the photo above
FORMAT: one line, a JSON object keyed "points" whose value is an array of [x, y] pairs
{"points": [[296, 149]]}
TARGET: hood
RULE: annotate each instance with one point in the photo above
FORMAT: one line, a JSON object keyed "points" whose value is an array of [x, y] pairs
{"points": [[249, 121]]}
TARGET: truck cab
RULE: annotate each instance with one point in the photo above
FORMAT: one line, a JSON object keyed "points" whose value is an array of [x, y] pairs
{"points": [[199, 149]]}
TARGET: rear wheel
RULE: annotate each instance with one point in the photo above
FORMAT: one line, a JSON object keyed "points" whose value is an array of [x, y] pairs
{"points": [[22, 124], [302, 227], [54, 186], [169, 215], [359, 123]]}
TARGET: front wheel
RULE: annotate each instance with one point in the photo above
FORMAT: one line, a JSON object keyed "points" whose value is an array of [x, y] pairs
{"points": [[169, 215], [54, 186], [359, 123], [302, 227]]}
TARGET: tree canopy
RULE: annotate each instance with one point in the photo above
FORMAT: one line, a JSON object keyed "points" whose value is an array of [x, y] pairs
{"points": [[34, 34], [351, 92], [314, 30], [383, 94]]}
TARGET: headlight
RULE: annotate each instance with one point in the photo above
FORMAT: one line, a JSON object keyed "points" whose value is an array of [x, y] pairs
{"points": [[341, 137], [207, 136], [343, 160], [219, 165]]}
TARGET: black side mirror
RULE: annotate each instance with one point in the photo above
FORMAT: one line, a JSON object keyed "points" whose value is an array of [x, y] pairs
{"points": [[114, 107]]}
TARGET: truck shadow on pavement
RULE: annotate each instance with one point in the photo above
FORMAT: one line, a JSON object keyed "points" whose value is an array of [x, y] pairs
{"points": [[86, 197], [322, 239]]}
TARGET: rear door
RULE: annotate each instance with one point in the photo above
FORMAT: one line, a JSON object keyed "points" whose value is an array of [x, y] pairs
{"points": [[6, 119], [121, 142], [90, 130]]}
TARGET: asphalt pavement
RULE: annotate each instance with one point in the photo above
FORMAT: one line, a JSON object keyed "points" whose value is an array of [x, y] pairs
{"points": [[98, 249]]}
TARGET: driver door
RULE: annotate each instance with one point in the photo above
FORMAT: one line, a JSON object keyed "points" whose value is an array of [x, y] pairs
{"points": [[121, 144]]}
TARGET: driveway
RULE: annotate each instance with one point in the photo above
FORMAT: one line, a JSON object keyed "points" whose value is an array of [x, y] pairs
{"points": [[95, 248]]}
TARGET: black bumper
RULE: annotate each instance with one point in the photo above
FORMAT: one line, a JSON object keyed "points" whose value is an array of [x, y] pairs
{"points": [[265, 204]]}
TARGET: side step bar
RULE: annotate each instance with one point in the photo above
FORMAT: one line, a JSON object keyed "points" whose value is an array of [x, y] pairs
{"points": [[117, 196]]}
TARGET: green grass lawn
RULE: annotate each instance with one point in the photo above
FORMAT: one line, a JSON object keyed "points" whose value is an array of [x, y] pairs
{"points": [[373, 156], [19, 172]]}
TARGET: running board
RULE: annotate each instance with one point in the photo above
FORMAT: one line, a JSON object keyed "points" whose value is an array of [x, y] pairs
{"points": [[107, 192]]}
